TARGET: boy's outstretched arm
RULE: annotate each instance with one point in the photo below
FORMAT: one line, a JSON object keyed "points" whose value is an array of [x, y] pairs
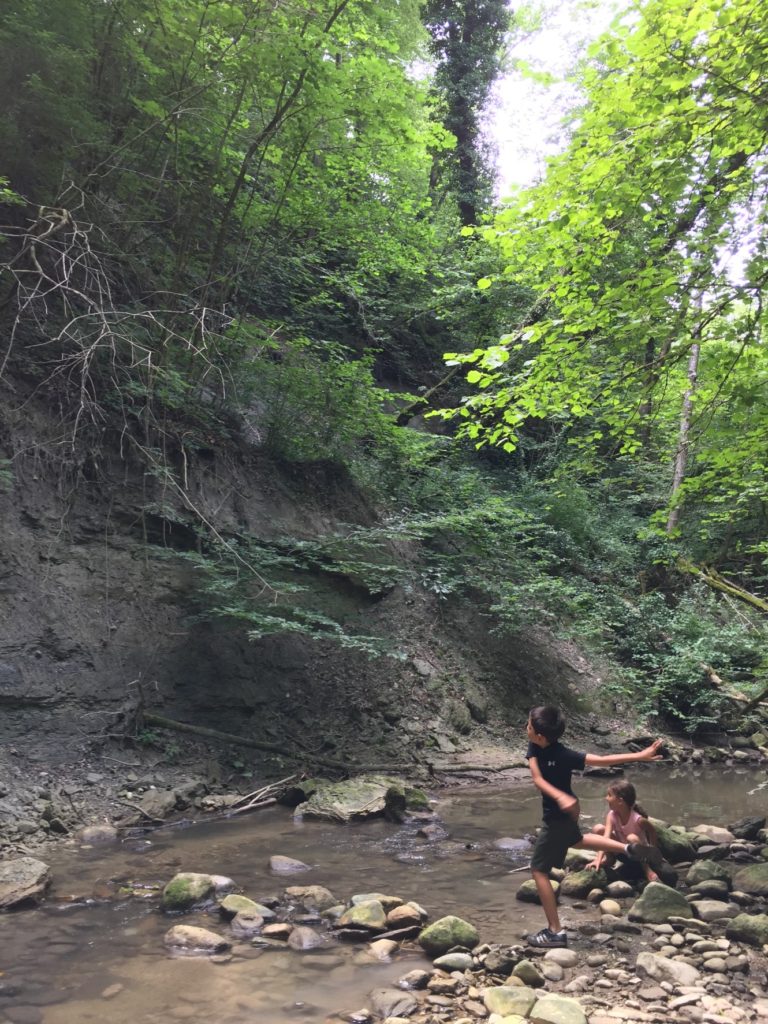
{"points": [[565, 801], [650, 753]]}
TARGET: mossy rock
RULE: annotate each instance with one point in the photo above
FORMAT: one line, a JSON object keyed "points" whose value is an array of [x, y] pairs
{"points": [[749, 928], [450, 931], [415, 799], [752, 879], [368, 914], [458, 717], [300, 792], [233, 904], [658, 903], [675, 846], [578, 883], [528, 893], [186, 890], [707, 870], [367, 796]]}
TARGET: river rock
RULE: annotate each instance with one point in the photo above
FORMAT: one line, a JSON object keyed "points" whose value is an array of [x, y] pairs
{"points": [[158, 803], [454, 962], [619, 890], [749, 928], [513, 845], [610, 907], [703, 870], [712, 888], [355, 799], [312, 897], [383, 949], [528, 974], [528, 892], [186, 890], [23, 878], [404, 916], [303, 937], [507, 1000], [97, 835], [392, 1002], [414, 979], [287, 865], [658, 903], [714, 833], [675, 846], [195, 940], [714, 910], [442, 935], [747, 828], [388, 902], [564, 957], [368, 915], [578, 883], [557, 1009], [661, 969], [245, 924], [752, 879], [236, 904]]}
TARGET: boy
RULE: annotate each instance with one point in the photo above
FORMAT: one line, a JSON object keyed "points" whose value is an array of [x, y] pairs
{"points": [[551, 766]]}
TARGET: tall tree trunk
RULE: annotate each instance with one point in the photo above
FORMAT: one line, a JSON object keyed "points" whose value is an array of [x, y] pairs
{"points": [[683, 443]]}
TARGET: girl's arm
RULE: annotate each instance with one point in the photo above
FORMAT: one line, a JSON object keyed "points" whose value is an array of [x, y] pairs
{"points": [[650, 753], [599, 857]]}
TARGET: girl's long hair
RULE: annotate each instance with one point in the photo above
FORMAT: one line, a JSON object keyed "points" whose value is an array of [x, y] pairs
{"points": [[625, 791]]}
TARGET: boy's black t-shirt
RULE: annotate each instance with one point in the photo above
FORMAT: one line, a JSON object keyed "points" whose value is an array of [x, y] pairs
{"points": [[556, 763]]}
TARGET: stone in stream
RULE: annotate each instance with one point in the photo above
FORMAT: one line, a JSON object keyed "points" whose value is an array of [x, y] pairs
{"points": [[712, 888], [714, 833], [383, 949], [388, 902], [23, 878], [235, 904], [454, 962], [303, 937], [752, 879], [279, 931], [404, 916], [747, 828], [368, 915], [245, 924], [705, 870], [414, 979], [313, 897], [355, 799], [287, 865], [528, 974], [578, 883], [749, 928], [661, 969], [446, 933], [528, 892], [563, 957], [392, 1002], [506, 1000], [675, 846], [557, 1009], [193, 940], [714, 910], [96, 835], [657, 903], [186, 890]]}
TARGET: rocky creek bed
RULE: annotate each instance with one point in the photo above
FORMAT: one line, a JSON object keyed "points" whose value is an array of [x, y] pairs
{"points": [[687, 955]]}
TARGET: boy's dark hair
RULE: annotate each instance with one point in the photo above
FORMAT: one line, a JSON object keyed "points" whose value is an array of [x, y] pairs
{"points": [[548, 721]]}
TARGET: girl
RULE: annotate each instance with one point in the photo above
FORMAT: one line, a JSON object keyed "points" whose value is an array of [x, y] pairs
{"points": [[626, 822]]}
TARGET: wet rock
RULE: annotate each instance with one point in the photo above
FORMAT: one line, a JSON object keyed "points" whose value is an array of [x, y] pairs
{"points": [[704, 870], [658, 903], [236, 904], [749, 928], [222, 885], [610, 907], [578, 883], [501, 960], [95, 835], [676, 847], [195, 940], [158, 803], [383, 949], [752, 879], [528, 974], [186, 890], [662, 969], [714, 833], [714, 910], [403, 917], [24, 878], [368, 914], [528, 892], [313, 897], [454, 962], [355, 799], [506, 1000], [557, 1009], [388, 902], [414, 979], [287, 865], [449, 931], [619, 890], [564, 957], [245, 924], [747, 828], [392, 1002], [514, 845], [303, 937], [279, 931], [712, 888]]}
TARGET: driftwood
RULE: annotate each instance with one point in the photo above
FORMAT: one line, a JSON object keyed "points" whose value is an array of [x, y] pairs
{"points": [[461, 769], [717, 582], [303, 755]]}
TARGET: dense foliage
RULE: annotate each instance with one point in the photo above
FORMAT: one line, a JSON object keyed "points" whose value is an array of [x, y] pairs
{"points": [[245, 219]]}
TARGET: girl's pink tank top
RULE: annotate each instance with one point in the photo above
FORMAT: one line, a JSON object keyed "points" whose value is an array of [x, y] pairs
{"points": [[635, 825]]}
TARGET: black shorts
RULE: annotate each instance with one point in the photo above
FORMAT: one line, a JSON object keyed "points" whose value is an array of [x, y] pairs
{"points": [[553, 842]]}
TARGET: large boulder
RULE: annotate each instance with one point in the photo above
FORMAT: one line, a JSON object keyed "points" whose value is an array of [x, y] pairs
{"points": [[442, 935], [356, 799], [24, 878], [704, 870], [661, 969], [557, 1009], [506, 1000], [658, 903], [675, 846], [749, 928], [186, 890], [752, 879], [578, 883]]}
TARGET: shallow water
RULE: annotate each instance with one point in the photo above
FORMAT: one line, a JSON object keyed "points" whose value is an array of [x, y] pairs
{"points": [[80, 958]]}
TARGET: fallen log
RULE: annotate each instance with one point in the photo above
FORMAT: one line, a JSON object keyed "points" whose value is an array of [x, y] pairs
{"points": [[302, 755]]}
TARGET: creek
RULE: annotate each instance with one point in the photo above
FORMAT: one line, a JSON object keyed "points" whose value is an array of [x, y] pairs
{"points": [[88, 954]]}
